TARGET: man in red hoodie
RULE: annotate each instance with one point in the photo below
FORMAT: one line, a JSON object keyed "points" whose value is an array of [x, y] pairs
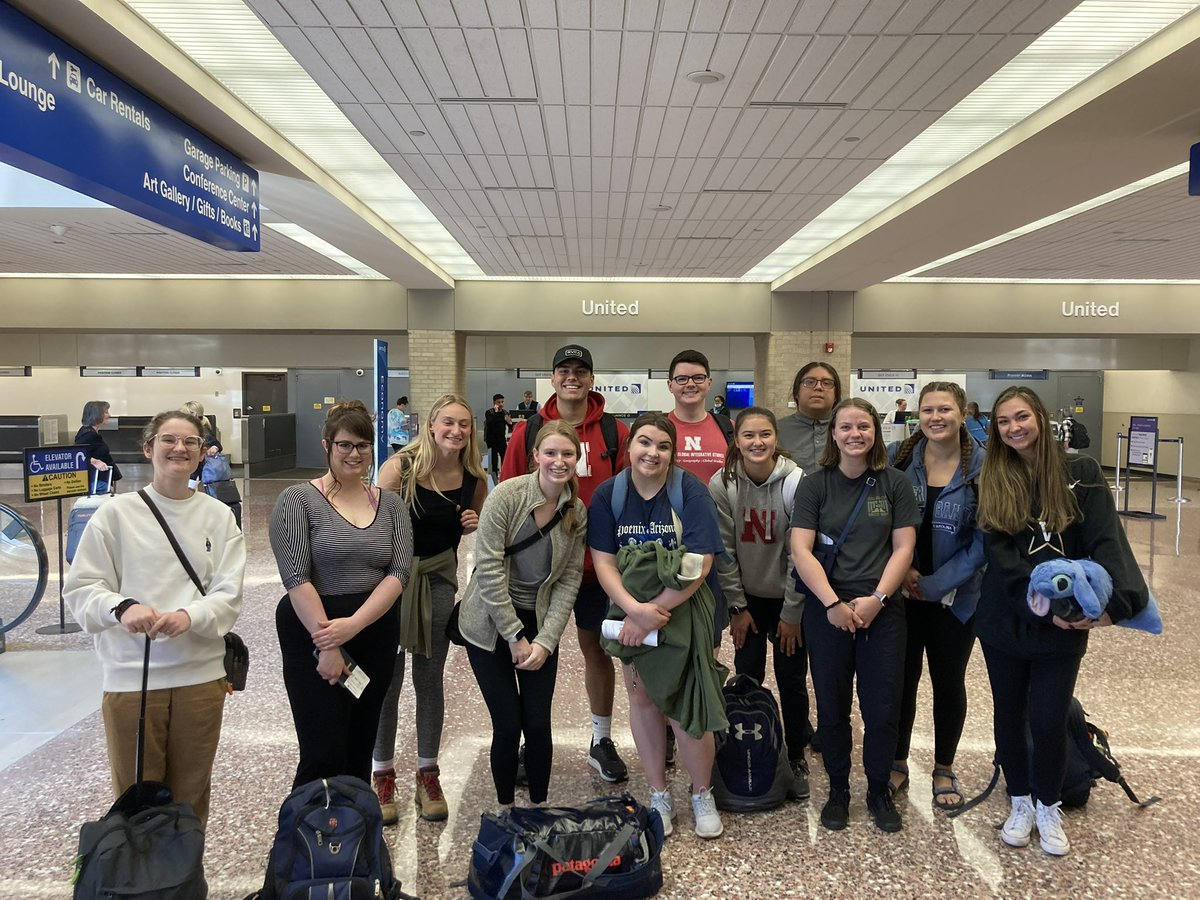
{"points": [[604, 454]]}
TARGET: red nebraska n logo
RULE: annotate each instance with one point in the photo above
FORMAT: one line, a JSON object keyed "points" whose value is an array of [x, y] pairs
{"points": [[759, 526]]}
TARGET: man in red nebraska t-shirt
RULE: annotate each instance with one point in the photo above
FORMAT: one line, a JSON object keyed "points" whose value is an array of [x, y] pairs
{"points": [[701, 436]]}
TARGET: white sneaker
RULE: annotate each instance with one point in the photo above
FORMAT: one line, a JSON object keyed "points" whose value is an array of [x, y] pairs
{"points": [[1019, 827], [704, 811], [661, 801], [1050, 829]]}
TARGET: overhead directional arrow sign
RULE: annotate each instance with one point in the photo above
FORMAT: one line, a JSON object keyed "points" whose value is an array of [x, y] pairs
{"points": [[65, 117]]}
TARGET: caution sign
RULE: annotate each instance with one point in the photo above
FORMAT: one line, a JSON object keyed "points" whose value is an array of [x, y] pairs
{"points": [[52, 472]]}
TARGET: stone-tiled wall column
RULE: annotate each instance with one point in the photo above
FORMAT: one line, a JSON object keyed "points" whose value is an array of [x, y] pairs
{"points": [[780, 354], [436, 366]]}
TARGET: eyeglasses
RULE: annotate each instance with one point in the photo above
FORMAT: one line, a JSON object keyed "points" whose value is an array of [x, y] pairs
{"points": [[347, 446], [682, 380], [170, 440], [827, 383]]}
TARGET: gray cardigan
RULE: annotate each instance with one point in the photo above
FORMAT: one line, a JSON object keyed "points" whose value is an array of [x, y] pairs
{"points": [[486, 612]]}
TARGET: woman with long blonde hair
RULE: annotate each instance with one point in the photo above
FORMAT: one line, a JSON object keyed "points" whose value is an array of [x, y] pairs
{"points": [[1036, 504], [440, 476]]}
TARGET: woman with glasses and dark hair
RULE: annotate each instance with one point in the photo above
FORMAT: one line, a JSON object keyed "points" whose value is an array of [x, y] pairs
{"points": [[127, 584], [1036, 504], [854, 613], [344, 550], [817, 388], [95, 414]]}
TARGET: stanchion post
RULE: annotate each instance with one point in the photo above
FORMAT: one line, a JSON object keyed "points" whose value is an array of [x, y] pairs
{"points": [[1179, 498], [63, 626], [1120, 437]]}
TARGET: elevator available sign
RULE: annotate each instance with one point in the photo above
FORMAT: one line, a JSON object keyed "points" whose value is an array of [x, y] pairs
{"points": [[67, 119]]}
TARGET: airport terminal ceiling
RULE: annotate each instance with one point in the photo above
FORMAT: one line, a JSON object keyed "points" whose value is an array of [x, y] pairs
{"points": [[813, 146]]}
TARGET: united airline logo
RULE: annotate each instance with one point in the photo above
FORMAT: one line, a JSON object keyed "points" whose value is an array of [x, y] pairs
{"points": [[758, 526]]}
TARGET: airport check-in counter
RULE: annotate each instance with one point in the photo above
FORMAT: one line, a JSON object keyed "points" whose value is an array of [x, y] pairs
{"points": [[20, 432]]}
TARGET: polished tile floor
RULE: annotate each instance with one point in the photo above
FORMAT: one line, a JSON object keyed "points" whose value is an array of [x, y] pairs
{"points": [[1144, 690]]}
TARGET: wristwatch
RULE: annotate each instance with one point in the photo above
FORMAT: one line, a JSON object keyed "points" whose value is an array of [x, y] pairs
{"points": [[516, 638], [736, 610], [880, 596], [123, 607]]}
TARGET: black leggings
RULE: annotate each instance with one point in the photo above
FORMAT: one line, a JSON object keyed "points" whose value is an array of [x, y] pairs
{"points": [[876, 656], [1038, 692], [935, 632], [519, 702], [336, 732], [791, 672]]}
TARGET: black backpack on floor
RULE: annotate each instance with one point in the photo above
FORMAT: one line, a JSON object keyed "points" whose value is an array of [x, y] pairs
{"points": [[751, 770], [330, 845], [1089, 760]]}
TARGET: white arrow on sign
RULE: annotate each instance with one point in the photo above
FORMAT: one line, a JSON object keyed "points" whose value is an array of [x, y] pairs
{"points": [[81, 460], [53, 60], [254, 228]]}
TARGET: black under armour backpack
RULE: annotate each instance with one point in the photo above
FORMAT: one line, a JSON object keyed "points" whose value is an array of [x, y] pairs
{"points": [[751, 770]]}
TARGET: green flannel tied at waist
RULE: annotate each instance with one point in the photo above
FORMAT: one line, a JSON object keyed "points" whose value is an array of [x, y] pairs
{"points": [[681, 675], [416, 603]]}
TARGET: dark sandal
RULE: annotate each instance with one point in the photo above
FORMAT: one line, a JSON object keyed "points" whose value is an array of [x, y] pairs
{"points": [[947, 791], [895, 789]]}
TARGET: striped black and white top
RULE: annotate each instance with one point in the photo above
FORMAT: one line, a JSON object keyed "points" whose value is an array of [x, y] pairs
{"points": [[312, 542]]}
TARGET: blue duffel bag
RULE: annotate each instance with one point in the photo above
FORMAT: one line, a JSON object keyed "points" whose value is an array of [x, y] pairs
{"points": [[610, 848]]}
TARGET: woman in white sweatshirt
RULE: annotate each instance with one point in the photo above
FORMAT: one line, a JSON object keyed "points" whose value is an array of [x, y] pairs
{"points": [[754, 495], [127, 583]]}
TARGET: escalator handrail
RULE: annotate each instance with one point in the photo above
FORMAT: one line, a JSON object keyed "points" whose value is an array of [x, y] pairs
{"points": [[39, 547]]}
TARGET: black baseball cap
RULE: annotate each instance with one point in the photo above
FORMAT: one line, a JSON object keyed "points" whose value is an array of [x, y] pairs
{"points": [[572, 352]]}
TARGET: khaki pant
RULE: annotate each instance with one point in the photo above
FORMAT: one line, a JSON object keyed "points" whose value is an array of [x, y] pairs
{"points": [[183, 727]]}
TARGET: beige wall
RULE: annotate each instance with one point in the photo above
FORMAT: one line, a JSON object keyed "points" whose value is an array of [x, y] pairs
{"points": [[1172, 396], [1005, 309], [958, 353], [202, 305]]}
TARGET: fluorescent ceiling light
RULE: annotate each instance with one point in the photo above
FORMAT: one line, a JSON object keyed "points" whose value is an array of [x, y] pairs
{"points": [[610, 279], [310, 240], [1084, 41], [226, 39], [1087, 205]]}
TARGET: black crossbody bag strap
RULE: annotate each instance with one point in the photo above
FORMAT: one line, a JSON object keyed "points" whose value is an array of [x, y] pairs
{"points": [[537, 535], [862, 498], [187, 566]]}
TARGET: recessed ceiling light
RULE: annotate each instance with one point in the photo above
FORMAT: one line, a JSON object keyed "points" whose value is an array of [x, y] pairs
{"points": [[707, 76], [852, 139], [416, 132], [662, 207]]}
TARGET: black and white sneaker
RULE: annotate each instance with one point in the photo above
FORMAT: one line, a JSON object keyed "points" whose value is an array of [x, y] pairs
{"points": [[603, 757]]}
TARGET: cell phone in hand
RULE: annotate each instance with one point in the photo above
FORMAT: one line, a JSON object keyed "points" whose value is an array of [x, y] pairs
{"points": [[355, 682]]}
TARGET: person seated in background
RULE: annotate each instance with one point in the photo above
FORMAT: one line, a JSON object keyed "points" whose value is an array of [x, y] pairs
{"points": [[528, 404], [900, 416]]}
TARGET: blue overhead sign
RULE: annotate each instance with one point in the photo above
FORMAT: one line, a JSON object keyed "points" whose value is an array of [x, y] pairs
{"points": [[66, 118]]}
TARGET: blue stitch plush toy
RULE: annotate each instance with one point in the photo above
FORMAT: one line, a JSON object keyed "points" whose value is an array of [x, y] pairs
{"points": [[1075, 589]]}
